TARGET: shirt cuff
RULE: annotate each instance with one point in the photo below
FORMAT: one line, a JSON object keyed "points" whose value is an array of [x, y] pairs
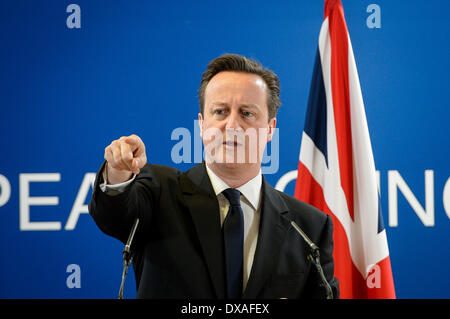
{"points": [[114, 189]]}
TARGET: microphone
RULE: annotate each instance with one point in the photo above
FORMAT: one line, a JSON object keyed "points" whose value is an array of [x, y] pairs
{"points": [[314, 256], [127, 256]]}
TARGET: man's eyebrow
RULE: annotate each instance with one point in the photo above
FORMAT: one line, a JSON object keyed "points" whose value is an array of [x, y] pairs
{"points": [[250, 105], [225, 104], [220, 103]]}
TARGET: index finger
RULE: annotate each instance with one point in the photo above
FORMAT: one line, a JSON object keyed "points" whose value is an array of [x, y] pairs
{"points": [[133, 140]]}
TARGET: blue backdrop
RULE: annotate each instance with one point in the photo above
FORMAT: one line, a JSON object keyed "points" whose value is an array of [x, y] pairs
{"points": [[67, 90]]}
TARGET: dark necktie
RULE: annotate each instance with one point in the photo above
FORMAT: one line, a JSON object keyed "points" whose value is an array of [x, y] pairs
{"points": [[233, 237]]}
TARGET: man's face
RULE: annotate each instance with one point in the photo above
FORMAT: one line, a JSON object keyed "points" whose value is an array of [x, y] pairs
{"points": [[235, 126]]}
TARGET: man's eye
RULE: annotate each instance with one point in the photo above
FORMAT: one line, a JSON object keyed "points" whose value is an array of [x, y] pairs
{"points": [[247, 114], [219, 112]]}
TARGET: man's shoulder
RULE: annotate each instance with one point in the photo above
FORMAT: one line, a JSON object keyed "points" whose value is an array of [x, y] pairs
{"points": [[300, 209]]}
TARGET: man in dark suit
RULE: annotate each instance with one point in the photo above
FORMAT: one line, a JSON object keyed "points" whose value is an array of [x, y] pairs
{"points": [[218, 230]]}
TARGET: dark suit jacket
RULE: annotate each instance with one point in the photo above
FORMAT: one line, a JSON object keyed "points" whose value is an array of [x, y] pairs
{"points": [[178, 244]]}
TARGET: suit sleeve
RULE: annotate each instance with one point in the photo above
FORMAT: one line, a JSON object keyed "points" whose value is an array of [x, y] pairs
{"points": [[115, 214]]}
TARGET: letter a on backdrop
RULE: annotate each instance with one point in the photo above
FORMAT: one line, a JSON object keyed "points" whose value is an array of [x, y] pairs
{"points": [[336, 171]]}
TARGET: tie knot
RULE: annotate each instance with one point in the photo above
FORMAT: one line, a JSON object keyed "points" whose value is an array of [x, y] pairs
{"points": [[233, 196]]}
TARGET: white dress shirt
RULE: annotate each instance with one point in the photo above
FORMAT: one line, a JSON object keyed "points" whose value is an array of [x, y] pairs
{"points": [[250, 203]]}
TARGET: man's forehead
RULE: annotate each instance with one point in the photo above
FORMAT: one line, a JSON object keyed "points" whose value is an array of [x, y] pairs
{"points": [[236, 78]]}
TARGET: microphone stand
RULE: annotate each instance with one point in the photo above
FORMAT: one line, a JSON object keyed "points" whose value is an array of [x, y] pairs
{"points": [[127, 257], [314, 257]]}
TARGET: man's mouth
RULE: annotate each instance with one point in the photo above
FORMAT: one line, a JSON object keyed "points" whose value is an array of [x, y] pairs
{"points": [[231, 143]]}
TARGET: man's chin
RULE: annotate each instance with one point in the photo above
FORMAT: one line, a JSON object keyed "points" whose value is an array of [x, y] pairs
{"points": [[231, 164], [236, 157]]}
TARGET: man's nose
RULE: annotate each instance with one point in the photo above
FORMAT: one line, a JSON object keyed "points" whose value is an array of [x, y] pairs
{"points": [[233, 120]]}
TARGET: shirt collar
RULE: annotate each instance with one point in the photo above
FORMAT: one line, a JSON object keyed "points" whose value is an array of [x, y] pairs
{"points": [[251, 190]]}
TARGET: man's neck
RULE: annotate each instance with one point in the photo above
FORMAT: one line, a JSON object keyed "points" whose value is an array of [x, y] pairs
{"points": [[236, 175]]}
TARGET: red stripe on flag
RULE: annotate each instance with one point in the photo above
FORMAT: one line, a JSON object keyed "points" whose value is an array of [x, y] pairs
{"points": [[341, 98], [329, 6], [351, 283], [384, 288]]}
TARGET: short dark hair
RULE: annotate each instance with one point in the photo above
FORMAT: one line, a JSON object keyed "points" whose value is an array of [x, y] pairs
{"points": [[239, 63]]}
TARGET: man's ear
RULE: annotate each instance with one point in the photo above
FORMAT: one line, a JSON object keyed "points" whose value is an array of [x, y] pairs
{"points": [[271, 126], [200, 123]]}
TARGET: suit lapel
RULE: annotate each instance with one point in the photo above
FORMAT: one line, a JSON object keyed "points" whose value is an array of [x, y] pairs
{"points": [[204, 209], [272, 231]]}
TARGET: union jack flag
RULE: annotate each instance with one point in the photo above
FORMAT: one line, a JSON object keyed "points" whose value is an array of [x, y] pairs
{"points": [[336, 170]]}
